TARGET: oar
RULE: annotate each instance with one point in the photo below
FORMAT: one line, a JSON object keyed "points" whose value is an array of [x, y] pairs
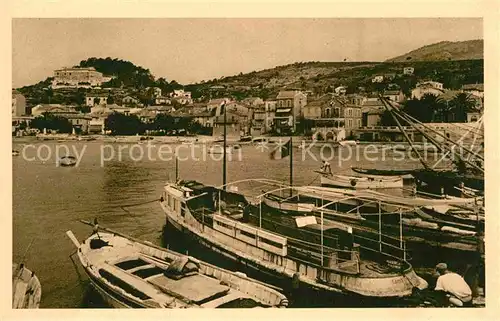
{"points": [[27, 249]]}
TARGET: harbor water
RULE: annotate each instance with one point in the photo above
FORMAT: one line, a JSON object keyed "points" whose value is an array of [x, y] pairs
{"points": [[49, 200]]}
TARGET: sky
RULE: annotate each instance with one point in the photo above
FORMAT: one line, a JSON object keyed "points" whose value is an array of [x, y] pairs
{"points": [[191, 50]]}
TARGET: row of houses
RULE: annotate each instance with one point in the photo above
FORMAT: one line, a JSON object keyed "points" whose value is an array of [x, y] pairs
{"points": [[333, 115], [101, 97]]}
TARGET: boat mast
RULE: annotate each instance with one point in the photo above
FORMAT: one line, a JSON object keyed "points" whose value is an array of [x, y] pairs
{"points": [[176, 168], [404, 132], [224, 149], [291, 165]]}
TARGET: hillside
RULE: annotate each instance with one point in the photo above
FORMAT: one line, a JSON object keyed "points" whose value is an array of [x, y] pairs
{"points": [[322, 77], [445, 50]]}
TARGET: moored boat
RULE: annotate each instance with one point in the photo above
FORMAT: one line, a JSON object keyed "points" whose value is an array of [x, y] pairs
{"points": [[26, 288], [219, 221], [129, 273], [360, 182], [382, 172], [15, 153], [285, 204], [67, 161]]}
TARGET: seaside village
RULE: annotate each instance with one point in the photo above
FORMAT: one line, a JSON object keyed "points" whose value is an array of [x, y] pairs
{"points": [[332, 116], [386, 234]]}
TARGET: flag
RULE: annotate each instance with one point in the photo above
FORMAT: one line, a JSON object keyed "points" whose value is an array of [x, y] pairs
{"points": [[281, 151]]}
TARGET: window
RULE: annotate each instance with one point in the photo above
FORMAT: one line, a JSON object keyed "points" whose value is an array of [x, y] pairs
{"points": [[272, 243], [349, 112], [247, 234], [359, 122], [183, 209], [349, 123], [175, 204], [328, 113], [224, 225]]}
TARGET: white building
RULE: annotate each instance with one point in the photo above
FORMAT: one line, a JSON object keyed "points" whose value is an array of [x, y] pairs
{"points": [[93, 99], [408, 70], [378, 78], [77, 77], [182, 97], [341, 90], [474, 89], [427, 87]]}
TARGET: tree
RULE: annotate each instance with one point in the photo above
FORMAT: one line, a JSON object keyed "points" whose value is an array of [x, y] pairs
{"points": [[417, 109], [386, 119], [461, 104], [435, 106], [121, 124], [50, 121], [111, 100]]}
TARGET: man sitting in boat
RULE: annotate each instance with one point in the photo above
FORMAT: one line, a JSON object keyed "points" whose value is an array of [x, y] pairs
{"points": [[325, 167], [458, 291]]}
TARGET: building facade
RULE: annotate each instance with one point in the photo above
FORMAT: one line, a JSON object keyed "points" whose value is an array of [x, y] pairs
{"points": [[333, 117], [289, 105], [428, 87], [408, 70], [77, 77]]}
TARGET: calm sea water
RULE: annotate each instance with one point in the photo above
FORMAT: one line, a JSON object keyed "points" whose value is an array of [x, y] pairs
{"points": [[49, 200]]}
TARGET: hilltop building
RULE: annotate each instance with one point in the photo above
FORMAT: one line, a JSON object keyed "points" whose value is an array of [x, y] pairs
{"points": [[78, 77]]}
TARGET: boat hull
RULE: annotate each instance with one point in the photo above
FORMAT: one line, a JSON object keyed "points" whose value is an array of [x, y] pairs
{"points": [[381, 172], [361, 182], [288, 206], [108, 298], [324, 293]]}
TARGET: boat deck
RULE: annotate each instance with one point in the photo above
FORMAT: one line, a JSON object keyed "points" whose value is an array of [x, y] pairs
{"points": [[367, 268], [148, 278]]}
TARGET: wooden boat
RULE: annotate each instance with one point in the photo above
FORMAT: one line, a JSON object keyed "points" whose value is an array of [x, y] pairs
{"points": [[449, 179], [219, 221], [359, 182], [15, 153], [246, 138], [444, 223], [382, 172], [132, 274], [348, 143], [67, 161], [284, 204], [26, 288]]}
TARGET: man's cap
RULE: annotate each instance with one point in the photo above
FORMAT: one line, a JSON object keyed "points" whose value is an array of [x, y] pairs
{"points": [[441, 266]]}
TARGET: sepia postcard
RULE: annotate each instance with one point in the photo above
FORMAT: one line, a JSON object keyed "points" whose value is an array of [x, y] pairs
{"points": [[299, 160]]}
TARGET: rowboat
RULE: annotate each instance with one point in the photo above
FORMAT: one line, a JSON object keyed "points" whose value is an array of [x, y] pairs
{"points": [[289, 205], [129, 273], [67, 161], [226, 224], [15, 153], [348, 143], [358, 182], [26, 288], [382, 172]]}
